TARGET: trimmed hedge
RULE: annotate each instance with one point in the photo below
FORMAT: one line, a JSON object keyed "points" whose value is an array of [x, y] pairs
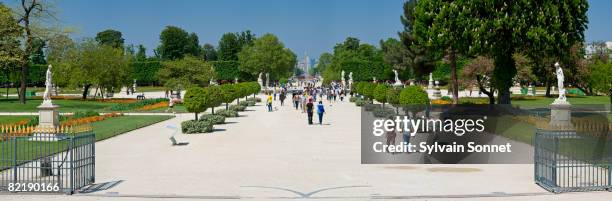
{"points": [[256, 99], [414, 95], [250, 103], [226, 70], [145, 72], [227, 113], [82, 114], [193, 126], [237, 108], [213, 118]]}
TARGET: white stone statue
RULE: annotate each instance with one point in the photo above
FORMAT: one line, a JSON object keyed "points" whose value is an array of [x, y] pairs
{"points": [[48, 87], [350, 80], [397, 80], [560, 80], [431, 81], [235, 80], [343, 79], [267, 79], [374, 79]]}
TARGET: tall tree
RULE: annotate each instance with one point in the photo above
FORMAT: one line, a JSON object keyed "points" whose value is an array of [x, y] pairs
{"points": [[231, 44], [394, 53], [209, 53], [111, 38], [38, 54], [439, 26], [10, 32], [141, 54], [267, 55], [193, 45], [540, 28], [31, 12], [174, 41], [417, 57]]}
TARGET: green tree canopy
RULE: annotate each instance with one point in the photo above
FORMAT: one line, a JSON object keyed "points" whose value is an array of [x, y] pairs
{"points": [[176, 43], [195, 100], [231, 44], [111, 38], [186, 72], [10, 32], [267, 55], [209, 53]]}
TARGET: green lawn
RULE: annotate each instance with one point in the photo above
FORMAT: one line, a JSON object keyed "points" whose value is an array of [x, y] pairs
{"points": [[118, 125], [29, 150], [537, 101], [13, 119], [13, 105], [149, 89]]}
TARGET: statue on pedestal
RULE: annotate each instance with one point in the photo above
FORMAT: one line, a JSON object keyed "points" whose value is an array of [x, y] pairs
{"points": [[560, 80], [48, 88], [431, 81], [343, 79], [397, 80], [350, 80], [260, 80]]}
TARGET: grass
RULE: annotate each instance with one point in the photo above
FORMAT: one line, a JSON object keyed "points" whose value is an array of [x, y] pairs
{"points": [[30, 150], [4, 120], [536, 101], [119, 125], [149, 89]]}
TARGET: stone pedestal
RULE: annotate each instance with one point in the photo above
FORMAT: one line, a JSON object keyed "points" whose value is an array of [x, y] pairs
{"points": [[560, 116], [48, 120]]}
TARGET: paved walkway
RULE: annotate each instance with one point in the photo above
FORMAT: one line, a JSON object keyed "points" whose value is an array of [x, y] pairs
{"points": [[277, 156]]}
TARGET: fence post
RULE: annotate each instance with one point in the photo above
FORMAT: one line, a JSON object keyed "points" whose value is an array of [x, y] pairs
{"points": [[71, 169], [15, 169]]}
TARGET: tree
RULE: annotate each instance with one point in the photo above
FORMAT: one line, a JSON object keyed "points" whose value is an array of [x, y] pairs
{"points": [[141, 54], [229, 94], [267, 55], [209, 53], [38, 54], [195, 100], [231, 44], [30, 14], [417, 57], [175, 43], [10, 32], [394, 53], [502, 28], [393, 97], [380, 93], [214, 97], [186, 72], [324, 61], [479, 72], [111, 38], [193, 45], [601, 78], [439, 26], [61, 53]]}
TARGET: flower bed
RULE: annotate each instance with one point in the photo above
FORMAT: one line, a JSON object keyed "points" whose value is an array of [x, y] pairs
{"points": [[85, 120], [138, 104], [154, 106]]}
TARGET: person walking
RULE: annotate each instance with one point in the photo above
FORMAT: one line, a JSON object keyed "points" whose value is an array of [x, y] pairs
{"points": [[269, 102], [171, 105], [304, 101], [282, 98], [296, 101], [309, 110], [320, 112]]}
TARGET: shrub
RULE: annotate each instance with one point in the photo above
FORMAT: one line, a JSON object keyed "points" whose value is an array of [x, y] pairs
{"points": [[371, 107], [353, 99], [446, 98], [414, 95], [384, 112], [196, 126], [243, 103], [368, 90], [256, 99], [380, 93], [88, 113], [227, 113], [393, 96], [195, 101], [237, 108], [361, 102], [214, 118], [250, 103]]}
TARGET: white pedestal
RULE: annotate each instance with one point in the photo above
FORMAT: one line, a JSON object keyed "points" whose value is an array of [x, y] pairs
{"points": [[560, 116], [48, 116]]}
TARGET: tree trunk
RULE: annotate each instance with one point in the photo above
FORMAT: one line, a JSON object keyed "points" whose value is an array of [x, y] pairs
{"points": [[490, 93], [226, 106], [96, 92], [455, 83], [503, 73], [23, 80], [196, 116], [86, 91], [548, 85], [212, 110]]}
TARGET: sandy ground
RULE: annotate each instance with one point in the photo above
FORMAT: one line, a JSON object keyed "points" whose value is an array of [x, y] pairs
{"points": [[277, 156]]}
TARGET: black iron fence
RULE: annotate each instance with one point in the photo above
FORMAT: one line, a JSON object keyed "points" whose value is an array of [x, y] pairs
{"points": [[568, 161], [49, 161]]}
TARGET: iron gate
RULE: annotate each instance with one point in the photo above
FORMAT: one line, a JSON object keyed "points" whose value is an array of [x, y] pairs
{"points": [[47, 163], [569, 161]]}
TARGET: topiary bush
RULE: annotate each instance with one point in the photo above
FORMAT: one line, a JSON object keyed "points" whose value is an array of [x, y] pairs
{"points": [[353, 99], [384, 112], [380, 93], [243, 103], [250, 103], [413, 95], [214, 118], [227, 113], [196, 126], [237, 108], [256, 99]]}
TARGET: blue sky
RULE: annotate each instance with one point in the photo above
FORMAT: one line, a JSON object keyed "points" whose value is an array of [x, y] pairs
{"points": [[305, 26]]}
